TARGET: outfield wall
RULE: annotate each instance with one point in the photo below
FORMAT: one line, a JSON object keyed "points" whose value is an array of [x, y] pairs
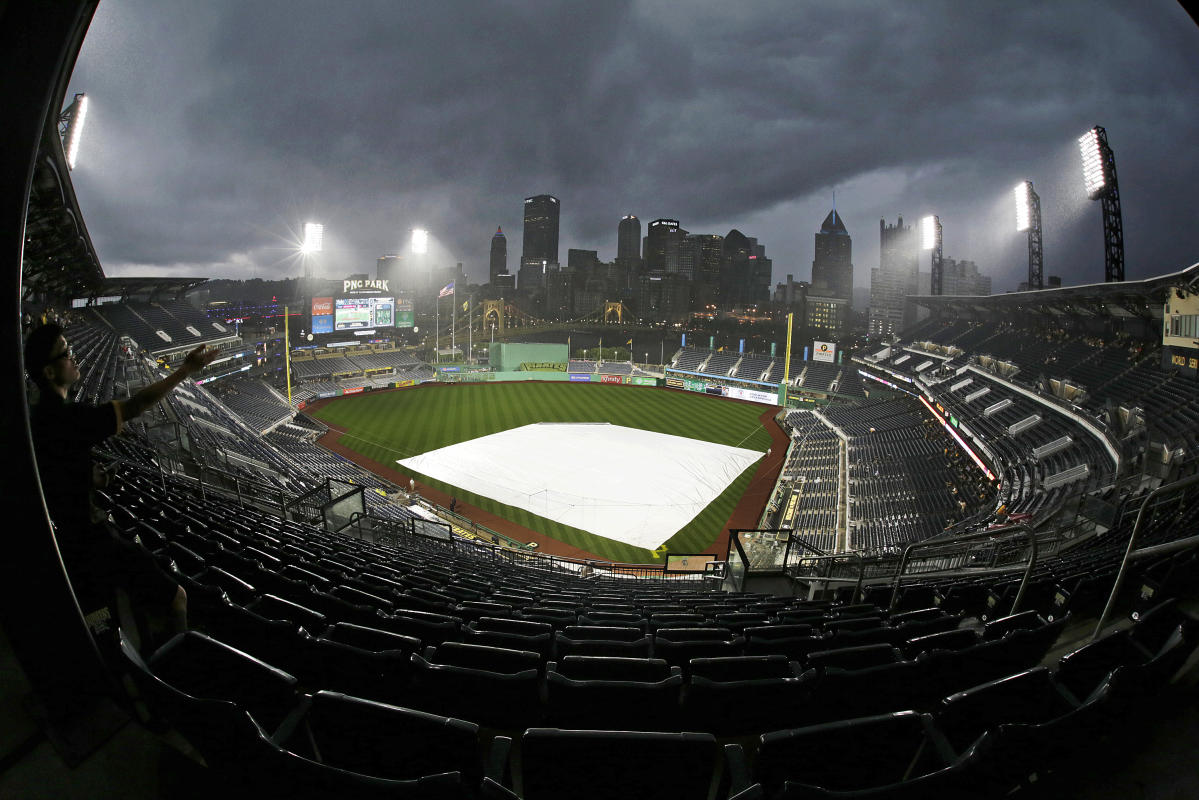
{"points": [[572, 377], [508, 356]]}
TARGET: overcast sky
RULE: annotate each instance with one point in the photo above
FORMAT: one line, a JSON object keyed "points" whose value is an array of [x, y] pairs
{"points": [[217, 128]]}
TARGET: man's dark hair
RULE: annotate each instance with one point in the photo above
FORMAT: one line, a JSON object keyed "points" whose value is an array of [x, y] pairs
{"points": [[39, 347]]}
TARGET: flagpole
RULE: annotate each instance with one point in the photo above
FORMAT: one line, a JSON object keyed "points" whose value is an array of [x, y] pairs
{"points": [[453, 322], [470, 330], [436, 328]]}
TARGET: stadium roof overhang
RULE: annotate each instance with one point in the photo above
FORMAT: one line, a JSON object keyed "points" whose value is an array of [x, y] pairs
{"points": [[1143, 299], [59, 260], [147, 288]]}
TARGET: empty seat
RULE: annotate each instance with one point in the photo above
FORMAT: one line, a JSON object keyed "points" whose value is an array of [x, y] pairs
{"points": [[742, 695], [621, 764], [383, 741], [587, 692], [202, 667], [849, 658], [904, 754], [492, 686]]}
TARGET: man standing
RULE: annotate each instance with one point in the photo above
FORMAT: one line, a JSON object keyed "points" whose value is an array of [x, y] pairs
{"points": [[97, 558]]}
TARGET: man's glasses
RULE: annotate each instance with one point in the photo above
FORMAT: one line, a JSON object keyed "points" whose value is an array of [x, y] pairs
{"points": [[68, 353]]}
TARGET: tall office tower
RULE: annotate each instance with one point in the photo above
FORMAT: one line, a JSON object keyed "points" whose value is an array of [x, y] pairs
{"points": [[628, 264], [707, 249], [388, 268], [832, 268], [734, 268], [663, 242], [895, 278], [499, 255], [628, 237], [961, 277], [539, 253]]}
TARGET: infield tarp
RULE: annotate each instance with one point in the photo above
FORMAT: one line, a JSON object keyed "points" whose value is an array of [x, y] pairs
{"points": [[630, 485]]}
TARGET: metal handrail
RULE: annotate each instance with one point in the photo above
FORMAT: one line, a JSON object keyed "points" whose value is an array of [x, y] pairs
{"points": [[1131, 554], [832, 557], [988, 534]]}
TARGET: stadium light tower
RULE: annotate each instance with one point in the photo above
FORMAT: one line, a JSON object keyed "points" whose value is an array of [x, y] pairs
{"points": [[1099, 173], [420, 240], [314, 238], [930, 239], [70, 127], [314, 242], [1028, 218]]}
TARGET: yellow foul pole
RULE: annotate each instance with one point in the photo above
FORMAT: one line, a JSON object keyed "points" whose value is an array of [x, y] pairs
{"points": [[287, 351], [787, 355]]}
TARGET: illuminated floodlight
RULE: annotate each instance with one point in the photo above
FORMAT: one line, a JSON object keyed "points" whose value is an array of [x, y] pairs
{"points": [[75, 128], [928, 232], [1023, 206], [1092, 161], [420, 240], [314, 238]]}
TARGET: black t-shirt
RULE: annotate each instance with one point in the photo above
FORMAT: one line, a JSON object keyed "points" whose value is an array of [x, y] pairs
{"points": [[63, 436]]}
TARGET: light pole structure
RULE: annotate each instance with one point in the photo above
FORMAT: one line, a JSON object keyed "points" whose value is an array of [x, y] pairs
{"points": [[70, 127], [1028, 218], [1099, 174]]}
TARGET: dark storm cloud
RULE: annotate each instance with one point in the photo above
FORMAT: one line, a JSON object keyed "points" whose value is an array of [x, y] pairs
{"points": [[218, 128]]}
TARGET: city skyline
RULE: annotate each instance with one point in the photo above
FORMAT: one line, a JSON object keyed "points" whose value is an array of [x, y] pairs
{"points": [[204, 156]]}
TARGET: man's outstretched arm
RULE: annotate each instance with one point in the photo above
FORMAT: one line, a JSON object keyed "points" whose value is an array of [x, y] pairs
{"points": [[196, 360]]}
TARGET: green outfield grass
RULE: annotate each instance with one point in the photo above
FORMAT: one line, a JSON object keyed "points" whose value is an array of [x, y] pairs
{"points": [[389, 426]]}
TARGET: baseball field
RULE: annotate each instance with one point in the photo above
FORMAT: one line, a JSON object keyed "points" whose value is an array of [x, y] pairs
{"points": [[388, 427]]}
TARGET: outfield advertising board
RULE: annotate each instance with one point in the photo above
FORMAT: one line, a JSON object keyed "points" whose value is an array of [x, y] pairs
{"points": [[353, 390], [642, 380], [405, 317], [824, 351], [769, 398], [580, 377], [611, 379], [694, 386], [676, 383]]}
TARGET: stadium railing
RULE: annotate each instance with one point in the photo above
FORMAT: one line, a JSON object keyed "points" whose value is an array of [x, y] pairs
{"points": [[961, 553], [1171, 497]]}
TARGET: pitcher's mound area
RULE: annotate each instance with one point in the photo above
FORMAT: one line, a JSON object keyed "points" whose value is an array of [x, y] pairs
{"points": [[634, 486]]}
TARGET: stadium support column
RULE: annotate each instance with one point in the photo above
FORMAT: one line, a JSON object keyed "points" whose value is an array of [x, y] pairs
{"points": [[1099, 173]]}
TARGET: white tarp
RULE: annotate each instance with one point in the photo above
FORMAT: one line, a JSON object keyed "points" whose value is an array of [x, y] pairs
{"points": [[634, 486]]}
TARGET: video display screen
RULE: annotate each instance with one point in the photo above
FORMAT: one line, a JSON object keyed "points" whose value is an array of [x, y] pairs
{"points": [[360, 313]]}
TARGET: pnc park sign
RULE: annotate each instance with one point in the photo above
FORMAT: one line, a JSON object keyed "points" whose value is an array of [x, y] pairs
{"points": [[359, 285]]}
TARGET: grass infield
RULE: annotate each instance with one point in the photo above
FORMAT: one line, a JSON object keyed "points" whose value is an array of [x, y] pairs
{"points": [[389, 426]]}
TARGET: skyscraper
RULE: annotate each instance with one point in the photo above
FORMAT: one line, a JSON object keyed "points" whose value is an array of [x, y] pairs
{"points": [[628, 242], [539, 253], [832, 268], [895, 278], [627, 266], [663, 242], [499, 255]]}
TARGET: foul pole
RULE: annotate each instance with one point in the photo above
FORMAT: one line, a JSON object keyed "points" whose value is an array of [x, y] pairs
{"points": [[287, 351], [787, 355]]}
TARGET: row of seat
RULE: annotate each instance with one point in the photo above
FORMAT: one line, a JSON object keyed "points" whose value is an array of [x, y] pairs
{"points": [[246, 715]]}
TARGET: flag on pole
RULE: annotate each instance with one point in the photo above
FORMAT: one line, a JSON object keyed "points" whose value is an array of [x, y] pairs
{"points": [[465, 305], [630, 342], [446, 291]]}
